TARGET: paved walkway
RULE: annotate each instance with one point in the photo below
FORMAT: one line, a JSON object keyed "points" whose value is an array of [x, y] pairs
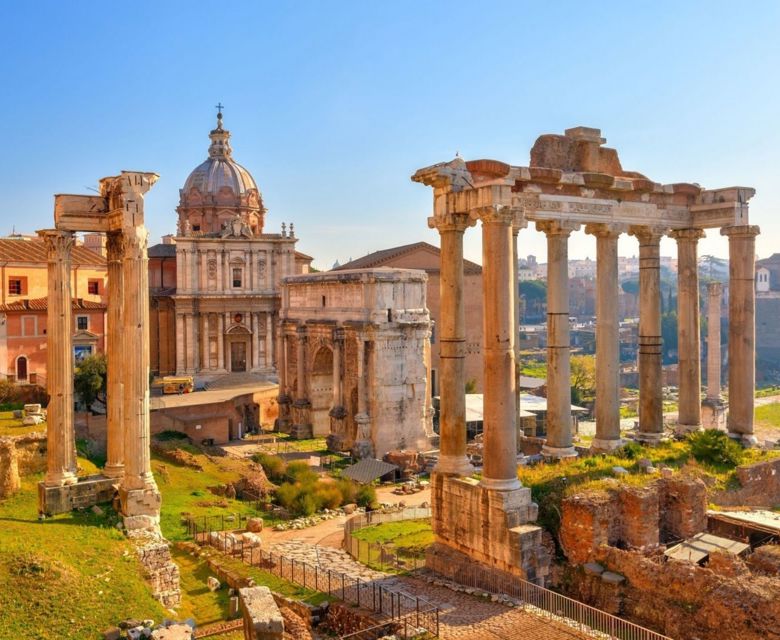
{"points": [[462, 616]]}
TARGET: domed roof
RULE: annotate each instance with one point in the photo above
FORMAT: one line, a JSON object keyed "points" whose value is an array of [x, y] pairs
{"points": [[220, 170]]}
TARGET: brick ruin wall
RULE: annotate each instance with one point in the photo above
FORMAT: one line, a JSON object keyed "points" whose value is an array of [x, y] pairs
{"points": [[682, 600], [161, 572], [20, 456], [633, 517], [760, 486]]}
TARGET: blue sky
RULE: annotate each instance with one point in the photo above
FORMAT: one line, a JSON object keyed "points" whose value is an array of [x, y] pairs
{"points": [[332, 106]]}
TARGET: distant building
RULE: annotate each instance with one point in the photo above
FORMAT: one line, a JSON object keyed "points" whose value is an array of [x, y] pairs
{"points": [[24, 305], [768, 308]]}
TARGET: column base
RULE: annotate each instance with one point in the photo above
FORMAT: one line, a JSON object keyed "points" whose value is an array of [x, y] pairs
{"points": [[454, 466], [114, 471], [685, 429], [746, 439], [501, 484], [558, 452], [61, 479], [140, 508], [600, 445], [650, 437]]}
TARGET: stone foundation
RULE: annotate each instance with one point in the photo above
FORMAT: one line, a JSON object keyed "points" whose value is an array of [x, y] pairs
{"points": [[85, 493], [141, 507], [760, 486], [262, 618], [161, 571], [474, 524]]}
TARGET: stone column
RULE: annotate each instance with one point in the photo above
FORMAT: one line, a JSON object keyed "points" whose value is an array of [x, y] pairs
{"points": [[300, 386], [559, 431], [269, 340], [714, 293], [363, 445], [688, 338], [515, 288], [500, 434], [204, 342], [651, 413], [742, 330], [607, 338], [61, 438], [452, 345], [221, 342], [338, 340], [181, 352], [115, 439], [219, 258], [138, 492]]}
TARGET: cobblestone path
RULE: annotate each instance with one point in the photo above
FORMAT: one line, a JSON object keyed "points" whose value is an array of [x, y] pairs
{"points": [[463, 616]]}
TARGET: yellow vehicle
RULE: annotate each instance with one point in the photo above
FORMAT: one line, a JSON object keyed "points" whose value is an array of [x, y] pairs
{"points": [[177, 384]]}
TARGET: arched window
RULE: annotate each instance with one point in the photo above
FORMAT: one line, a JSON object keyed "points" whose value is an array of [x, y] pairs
{"points": [[21, 368]]}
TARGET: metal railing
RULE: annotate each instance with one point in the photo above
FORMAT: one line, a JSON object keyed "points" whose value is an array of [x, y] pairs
{"points": [[395, 605], [554, 605], [383, 556]]}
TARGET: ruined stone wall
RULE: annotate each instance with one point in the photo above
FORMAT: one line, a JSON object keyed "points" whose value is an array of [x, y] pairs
{"points": [[681, 600], [760, 486], [161, 571], [20, 456], [636, 517]]}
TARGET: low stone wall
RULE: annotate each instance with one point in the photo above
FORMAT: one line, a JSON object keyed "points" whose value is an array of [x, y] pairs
{"points": [[760, 486], [494, 528], [20, 456], [262, 618], [636, 517], [679, 599], [161, 571]]}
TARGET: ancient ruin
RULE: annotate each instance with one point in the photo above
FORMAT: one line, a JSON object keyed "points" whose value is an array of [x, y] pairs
{"points": [[119, 213], [572, 181], [355, 358]]}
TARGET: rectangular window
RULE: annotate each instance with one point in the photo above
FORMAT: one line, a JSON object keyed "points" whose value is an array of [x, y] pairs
{"points": [[17, 286], [237, 278], [93, 287], [82, 323]]}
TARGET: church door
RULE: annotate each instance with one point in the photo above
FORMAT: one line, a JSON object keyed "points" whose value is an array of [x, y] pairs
{"points": [[238, 356]]}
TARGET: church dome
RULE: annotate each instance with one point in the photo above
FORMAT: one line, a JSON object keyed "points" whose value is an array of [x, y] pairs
{"points": [[220, 170]]}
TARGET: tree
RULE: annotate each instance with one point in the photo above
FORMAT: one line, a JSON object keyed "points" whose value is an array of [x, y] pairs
{"points": [[669, 334], [534, 290], [89, 381], [583, 378], [631, 286]]}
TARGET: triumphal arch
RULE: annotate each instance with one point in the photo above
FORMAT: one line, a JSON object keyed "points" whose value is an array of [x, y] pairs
{"points": [[118, 211], [572, 181]]}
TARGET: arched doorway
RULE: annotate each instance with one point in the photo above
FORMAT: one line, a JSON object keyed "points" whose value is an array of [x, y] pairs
{"points": [[321, 391], [21, 368], [238, 341]]}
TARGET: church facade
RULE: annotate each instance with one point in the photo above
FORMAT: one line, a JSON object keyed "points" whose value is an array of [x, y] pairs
{"points": [[215, 286]]}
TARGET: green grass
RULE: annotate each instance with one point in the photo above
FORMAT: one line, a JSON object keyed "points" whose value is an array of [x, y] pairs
{"points": [[409, 535], [10, 426], [534, 369], [70, 576], [768, 415], [767, 391]]}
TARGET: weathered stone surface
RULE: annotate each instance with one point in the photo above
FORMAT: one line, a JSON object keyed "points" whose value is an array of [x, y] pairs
{"points": [[612, 578], [255, 525], [759, 486], [593, 568], [262, 618], [161, 571]]}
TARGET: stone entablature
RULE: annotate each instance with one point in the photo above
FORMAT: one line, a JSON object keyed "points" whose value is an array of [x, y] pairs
{"points": [[354, 349]]}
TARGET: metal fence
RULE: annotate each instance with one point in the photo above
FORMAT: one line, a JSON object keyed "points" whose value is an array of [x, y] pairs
{"points": [[383, 556], [554, 605], [413, 612]]}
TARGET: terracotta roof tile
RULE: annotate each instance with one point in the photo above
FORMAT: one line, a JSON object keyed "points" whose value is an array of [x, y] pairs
{"points": [[33, 251], [41, 304], [384, 257]]}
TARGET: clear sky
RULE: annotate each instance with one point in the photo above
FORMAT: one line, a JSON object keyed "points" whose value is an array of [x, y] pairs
{"points": [[333, 105]]}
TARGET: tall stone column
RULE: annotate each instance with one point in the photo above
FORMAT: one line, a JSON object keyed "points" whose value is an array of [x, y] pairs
{"points": [[300, 386], [138, 491], [515, 288], [500, 433], [742, 330], [269, 341], [714, 295], [452, 345], [181, 351], [204, 342], [363, 446], [607, 338], [559, 432], [688, 336], [115, 439], [221, 342], [651, 414], [338, 340], [61, 438]]}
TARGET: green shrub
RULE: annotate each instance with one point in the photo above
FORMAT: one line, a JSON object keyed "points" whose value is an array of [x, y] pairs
{"points": [[171, 434], [632, 450], [300, 471], [287, 495], [366, 497], [274, 467], [348, 490], [328, 495], [716, 448], [306, 505]]}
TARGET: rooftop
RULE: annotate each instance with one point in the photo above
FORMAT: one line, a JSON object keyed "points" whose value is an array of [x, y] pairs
{"points": [[32, 251], [385, 257]]}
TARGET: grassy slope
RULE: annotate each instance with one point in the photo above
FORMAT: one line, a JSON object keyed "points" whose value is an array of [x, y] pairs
{"points": [[407, 534], [71, 576], [768, 415]]}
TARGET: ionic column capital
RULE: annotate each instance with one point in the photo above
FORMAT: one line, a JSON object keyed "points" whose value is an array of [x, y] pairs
{"points": [[648, 234], [743, 231], [687, 235], [457, 222], [561, 228], [605, 229], [58, 243], [714, 288]]}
